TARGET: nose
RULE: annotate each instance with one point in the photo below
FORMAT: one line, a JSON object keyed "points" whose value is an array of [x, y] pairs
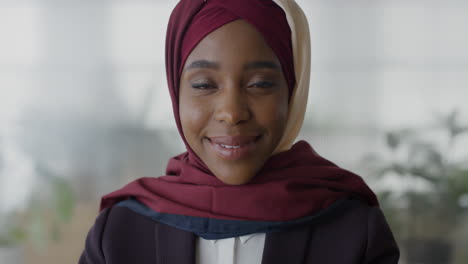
{"points": [[232, 107]]}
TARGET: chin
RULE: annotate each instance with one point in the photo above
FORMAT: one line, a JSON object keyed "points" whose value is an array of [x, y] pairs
{"points": [[235, 177]]}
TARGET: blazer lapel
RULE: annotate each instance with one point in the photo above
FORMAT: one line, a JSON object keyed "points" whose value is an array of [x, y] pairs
{"points": [[174, 245], [286, 246]]}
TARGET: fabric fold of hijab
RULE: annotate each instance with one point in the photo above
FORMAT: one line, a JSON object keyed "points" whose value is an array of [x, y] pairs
{"points": [[295, 183]]}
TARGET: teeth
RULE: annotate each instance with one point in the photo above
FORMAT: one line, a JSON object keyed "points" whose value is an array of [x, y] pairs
{"points": [[229, 147]]}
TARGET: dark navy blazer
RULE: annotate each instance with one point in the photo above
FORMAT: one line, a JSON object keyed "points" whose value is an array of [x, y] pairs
{"points": [[352, 234]]}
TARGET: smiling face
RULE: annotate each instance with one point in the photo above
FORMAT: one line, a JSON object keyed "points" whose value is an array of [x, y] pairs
{"points": [[233, 102]]}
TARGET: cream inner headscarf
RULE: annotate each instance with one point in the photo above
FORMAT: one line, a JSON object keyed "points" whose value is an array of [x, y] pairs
{"points": [[301, 51]]}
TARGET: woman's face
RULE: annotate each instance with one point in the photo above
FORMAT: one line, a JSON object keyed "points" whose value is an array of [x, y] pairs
{"points": [[233, 102]]}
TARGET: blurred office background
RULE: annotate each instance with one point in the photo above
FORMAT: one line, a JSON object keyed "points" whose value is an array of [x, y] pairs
{"points": [[84, 109]]}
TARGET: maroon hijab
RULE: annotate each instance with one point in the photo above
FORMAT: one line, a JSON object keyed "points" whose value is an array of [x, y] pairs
{"points": [[291, 184]]}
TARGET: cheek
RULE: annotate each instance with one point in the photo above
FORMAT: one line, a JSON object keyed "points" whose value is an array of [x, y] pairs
{"points": [[283, 110], [281, 118], [275, 113], [194, 117]]}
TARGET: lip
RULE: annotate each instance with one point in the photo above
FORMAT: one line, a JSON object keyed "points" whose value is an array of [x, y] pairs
{"points": [[239, 147]]}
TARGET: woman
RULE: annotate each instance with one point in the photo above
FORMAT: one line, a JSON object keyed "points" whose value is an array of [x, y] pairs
{"points": [[238, 73]]}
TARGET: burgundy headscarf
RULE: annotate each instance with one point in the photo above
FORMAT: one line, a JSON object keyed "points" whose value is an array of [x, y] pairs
{"points": [[291, 185]]}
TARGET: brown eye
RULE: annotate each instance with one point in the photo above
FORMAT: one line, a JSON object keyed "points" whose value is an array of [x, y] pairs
{"points": [[203, 85], [262, 84]]}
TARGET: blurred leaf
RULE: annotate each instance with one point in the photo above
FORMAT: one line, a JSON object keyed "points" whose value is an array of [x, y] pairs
{"points": [[18, 234], [451, 123], [438, 207], [61, 200], [457, 183], [421, 172], [425, 160], [64, 200], [37, 231], [4, 241], [396, 168], [14, 236], [393, 140], [55, 232], [11, 232]]}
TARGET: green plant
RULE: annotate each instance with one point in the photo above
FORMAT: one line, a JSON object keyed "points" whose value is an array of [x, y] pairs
{"points": [[432, 194], [52, 202]]}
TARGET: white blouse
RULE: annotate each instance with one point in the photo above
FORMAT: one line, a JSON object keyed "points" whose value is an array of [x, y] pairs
{"points": [[236, 250]]}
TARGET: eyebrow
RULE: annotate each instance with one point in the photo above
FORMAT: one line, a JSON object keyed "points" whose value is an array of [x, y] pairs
{"points": [[206, 64], [262, 65], [203, 64]]}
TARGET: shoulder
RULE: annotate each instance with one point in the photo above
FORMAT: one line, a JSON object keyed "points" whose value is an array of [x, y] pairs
{"points": [[350, 213], [356, 230], [92, 252], [119, 228]]}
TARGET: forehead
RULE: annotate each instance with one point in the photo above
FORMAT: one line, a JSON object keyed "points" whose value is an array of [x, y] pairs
{"points": [[235, 42]]}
